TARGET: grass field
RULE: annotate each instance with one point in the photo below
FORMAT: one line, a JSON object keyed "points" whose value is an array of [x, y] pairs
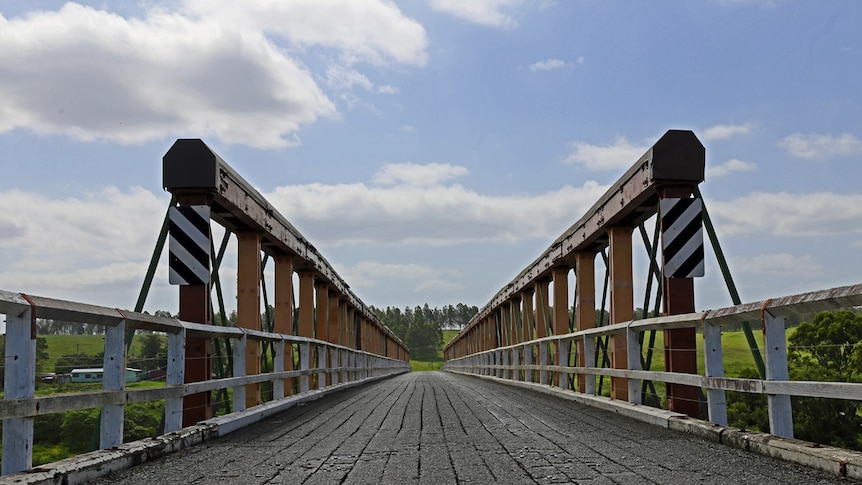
{"points": [[59, 345]]}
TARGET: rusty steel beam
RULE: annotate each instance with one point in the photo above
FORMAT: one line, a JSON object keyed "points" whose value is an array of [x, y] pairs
{"points": [[676, 158], [191, 167]]}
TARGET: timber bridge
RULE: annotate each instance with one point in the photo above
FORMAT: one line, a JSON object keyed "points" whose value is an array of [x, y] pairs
{"points": [[538, 387]]}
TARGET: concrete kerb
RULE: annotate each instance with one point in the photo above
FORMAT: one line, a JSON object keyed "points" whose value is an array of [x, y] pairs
{"points": [[90, 466], [837, 461]]}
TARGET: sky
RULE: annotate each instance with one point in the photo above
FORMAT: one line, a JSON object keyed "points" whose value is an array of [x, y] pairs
{"points": [[430, 150]]}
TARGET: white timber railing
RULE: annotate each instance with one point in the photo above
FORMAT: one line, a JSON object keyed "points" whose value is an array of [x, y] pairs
{"points": [[20, 405], [516, 362]]}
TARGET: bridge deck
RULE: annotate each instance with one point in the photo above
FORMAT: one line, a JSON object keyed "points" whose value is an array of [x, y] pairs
{"points": [[439, 428]]}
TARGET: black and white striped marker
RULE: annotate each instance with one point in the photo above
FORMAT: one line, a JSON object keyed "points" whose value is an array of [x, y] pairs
{"points": [[189, 245], [682, 237]]}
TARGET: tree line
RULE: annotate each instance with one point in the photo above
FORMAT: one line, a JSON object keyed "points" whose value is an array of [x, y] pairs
{"points": [[421, 328]]}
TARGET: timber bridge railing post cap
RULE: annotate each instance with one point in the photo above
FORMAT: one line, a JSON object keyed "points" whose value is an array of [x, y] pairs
{"points": [[678, 156], [190, 164]]}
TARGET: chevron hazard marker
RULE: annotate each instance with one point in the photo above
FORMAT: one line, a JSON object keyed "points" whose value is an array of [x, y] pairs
{"points": [[189, 245], [682, 237]]}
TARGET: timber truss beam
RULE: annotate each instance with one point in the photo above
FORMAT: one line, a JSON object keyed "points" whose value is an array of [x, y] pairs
{"points": [[676, 159], [191, 168]]}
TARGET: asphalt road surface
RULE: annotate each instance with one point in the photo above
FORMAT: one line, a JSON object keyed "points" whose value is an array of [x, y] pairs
{"points": [[440, 428]]}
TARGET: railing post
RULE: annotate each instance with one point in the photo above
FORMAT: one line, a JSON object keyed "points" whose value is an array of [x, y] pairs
{"points": [[278, 366], [113, 379], [322, 350], [344, 364], [543, 361], [714, 364], [775, 344], [19, 383], [334, 355], [590, 361], [563, 358], [528, 361], [304, 360], [516, 368], [239, 353], [506, 354], [175, 377], [634, 363]]}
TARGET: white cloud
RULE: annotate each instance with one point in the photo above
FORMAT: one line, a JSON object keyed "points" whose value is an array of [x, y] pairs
{"points": [[776, 265], [417, 175], [548, 65], [387, 89], [788, 214], [492, 13], [430, 214], [554, 64], [423, 277], [619, 155], [101, 240], [729, 167], [815, 146], [721, 132], [211, 69], [363, 30], [343, 78]]}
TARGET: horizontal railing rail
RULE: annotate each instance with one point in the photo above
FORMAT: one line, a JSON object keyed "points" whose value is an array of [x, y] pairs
{"points": [[519, 362], [335, 365]]}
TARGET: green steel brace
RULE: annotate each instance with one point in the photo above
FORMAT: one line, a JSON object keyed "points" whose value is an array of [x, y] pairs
{"points": [[646, 363], [731, 287], [602, 342], [223, 365]]}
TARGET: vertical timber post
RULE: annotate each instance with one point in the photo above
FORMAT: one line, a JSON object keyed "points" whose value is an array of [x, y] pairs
{"points": [[248, 306], [284, 313], [680, 344], [622, 302], [528, 332], [585, 307], [195, 307], [321, 328], [542, 325], [306, 323], [561, 322]]}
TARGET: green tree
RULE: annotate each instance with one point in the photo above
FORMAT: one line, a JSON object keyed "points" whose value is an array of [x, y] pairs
{"points": [[828, 349], [154, 352], [747, 410]]}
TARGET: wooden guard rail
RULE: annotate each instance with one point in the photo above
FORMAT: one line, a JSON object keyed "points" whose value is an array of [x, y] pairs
{"points": [[528, 361], [343, 366]]}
